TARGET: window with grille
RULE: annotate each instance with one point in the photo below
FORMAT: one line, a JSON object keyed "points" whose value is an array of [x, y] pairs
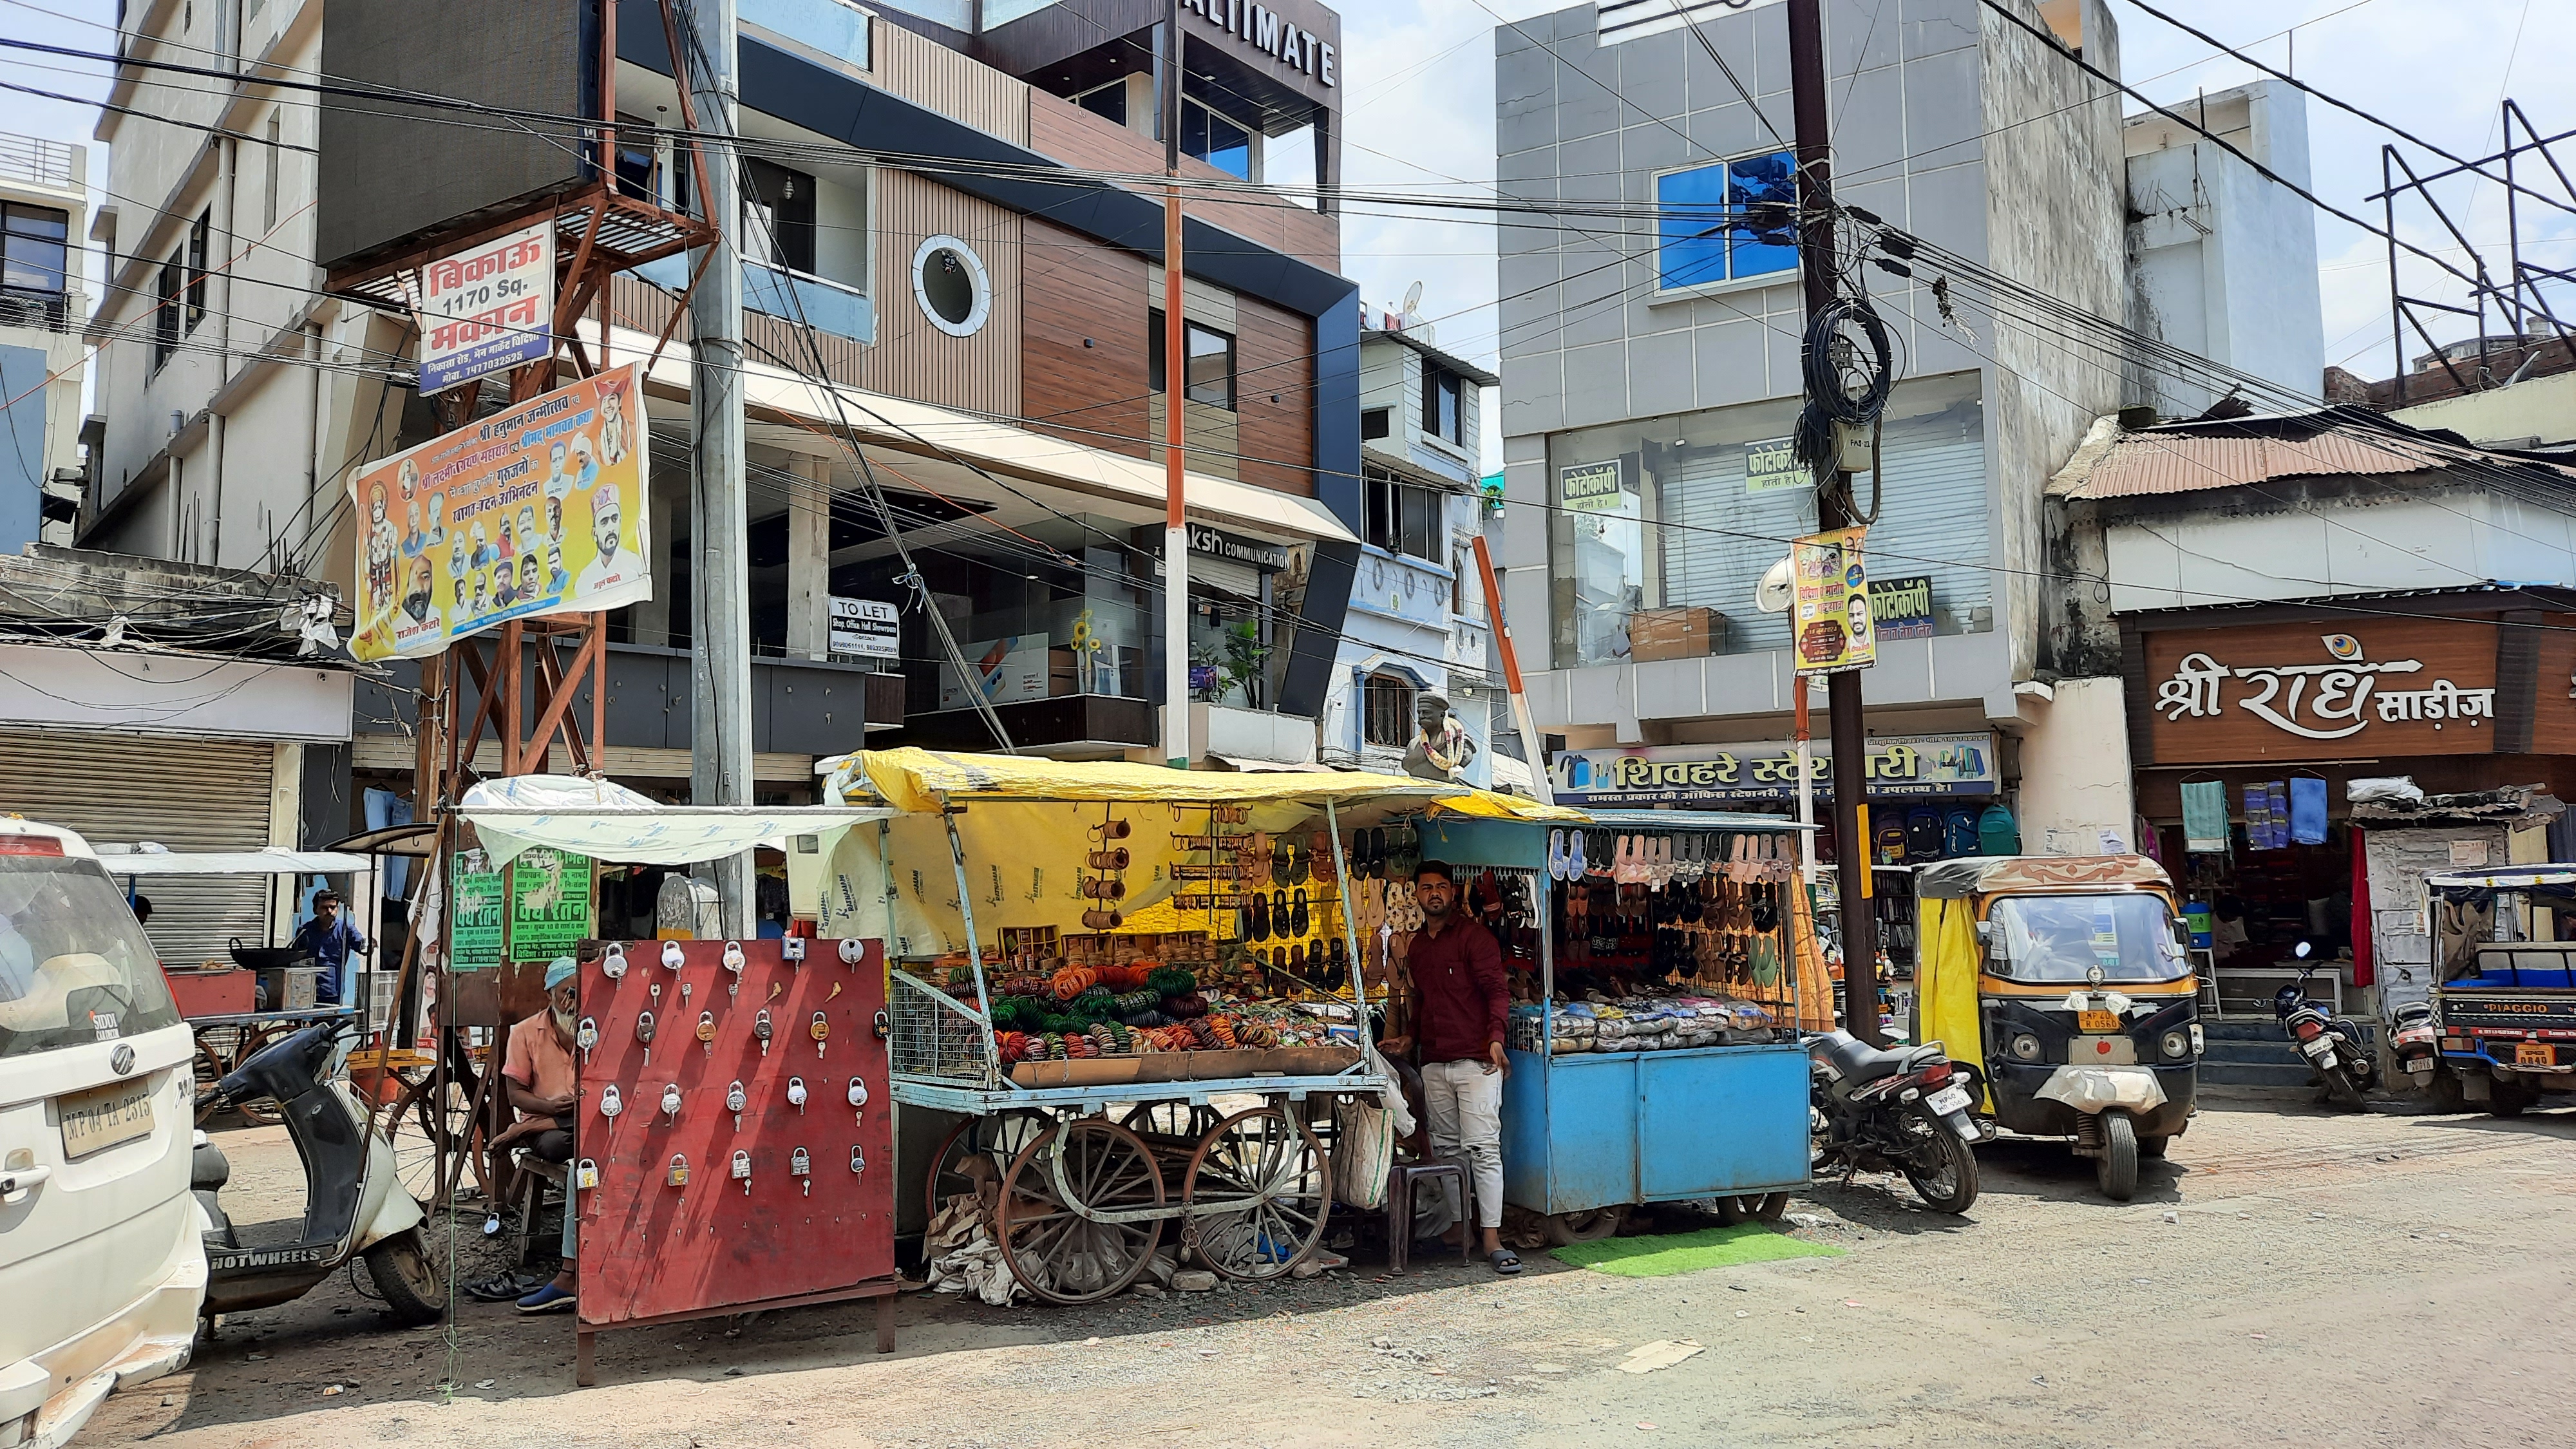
{"points": [[1386, 710]]}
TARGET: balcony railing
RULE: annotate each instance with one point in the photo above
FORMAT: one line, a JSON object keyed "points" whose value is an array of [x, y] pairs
{"points": [[44, 311], [35, 159], [794, 296], [829, 26]]}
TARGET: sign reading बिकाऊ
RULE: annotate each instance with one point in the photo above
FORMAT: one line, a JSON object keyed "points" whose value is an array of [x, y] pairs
{"points": [[1834, 631], [487, 310], [537, 510]]}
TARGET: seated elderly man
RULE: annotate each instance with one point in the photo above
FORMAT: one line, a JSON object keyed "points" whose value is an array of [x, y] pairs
{"points": [[537, 1072]]}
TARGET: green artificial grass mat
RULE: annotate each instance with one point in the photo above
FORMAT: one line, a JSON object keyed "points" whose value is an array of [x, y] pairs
{"points": [[1659, 1257]]}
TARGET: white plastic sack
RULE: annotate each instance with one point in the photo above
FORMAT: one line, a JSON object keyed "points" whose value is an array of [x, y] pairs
{"points": [[2090, 1089], [1363, 1150], [964, 1258], [2384, 790]]}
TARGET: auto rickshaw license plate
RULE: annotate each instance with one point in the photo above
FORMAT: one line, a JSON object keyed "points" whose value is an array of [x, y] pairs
{"points": [[2534, 1054], [96, 1120], [2097, 1021]]}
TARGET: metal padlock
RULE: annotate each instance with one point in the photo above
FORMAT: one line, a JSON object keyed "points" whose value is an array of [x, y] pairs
{"points": [[735, 1100], [707, 1031], [672, 956], [586, 1176], [733, 964], [612, 962], [791, 949], [586, 1036], [678, 1176], [644, 1033], [671, 1101], [853, 950], [761, 1028], [819, 1030], [742, 1171], [858, 1095], [610, 1104], [796, 1094], [802, 1166], [858, 1159]]}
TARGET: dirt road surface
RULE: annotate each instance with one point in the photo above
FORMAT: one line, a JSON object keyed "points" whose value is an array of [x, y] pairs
{"points": [[2290, 1276]]}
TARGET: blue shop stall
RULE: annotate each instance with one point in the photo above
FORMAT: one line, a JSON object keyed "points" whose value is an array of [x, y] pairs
{"points": [[1663, 964]]}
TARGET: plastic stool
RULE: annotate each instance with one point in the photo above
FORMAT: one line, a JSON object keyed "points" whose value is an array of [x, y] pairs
{"points": [[1401, 1180]]}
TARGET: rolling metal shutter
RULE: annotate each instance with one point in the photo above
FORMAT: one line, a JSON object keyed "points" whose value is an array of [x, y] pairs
{"points": [[1935, 509], [187, 794]]}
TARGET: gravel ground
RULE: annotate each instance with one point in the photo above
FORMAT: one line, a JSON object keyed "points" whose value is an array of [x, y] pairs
{"points": [[2289, 1277]]}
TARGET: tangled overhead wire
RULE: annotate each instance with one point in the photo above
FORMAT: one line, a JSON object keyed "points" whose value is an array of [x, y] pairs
{"points": [[1850, 368]]}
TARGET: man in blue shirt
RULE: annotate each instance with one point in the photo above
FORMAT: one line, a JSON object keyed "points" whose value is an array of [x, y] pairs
{"points": [[329, 939]]}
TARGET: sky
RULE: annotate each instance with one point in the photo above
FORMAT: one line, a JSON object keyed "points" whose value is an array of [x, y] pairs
{"points": [[1419, 114]]}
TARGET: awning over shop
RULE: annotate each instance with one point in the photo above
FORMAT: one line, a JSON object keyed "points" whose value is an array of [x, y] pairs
{"points": [[930, 780], [122, 861], [610, 822]]}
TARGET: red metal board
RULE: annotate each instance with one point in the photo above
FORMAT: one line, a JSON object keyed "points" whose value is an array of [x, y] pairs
{"points": [[649, 1249]]}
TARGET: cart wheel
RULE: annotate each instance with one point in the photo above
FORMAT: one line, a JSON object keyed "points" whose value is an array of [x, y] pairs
{"points": [[1272, 1165], [1760, 1207], [261, 1110], [1000, 1137], [210, 1070], [1053, 1251], [420, 1127], [1588, 1226]]}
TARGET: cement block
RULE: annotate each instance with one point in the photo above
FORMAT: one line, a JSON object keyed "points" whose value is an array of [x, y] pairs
{"points": [[1661, 376], [1596, 385]]}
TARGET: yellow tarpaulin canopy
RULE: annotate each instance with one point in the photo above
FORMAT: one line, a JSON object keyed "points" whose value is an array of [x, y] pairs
{"points": [[1489, 805], [929, 780]]}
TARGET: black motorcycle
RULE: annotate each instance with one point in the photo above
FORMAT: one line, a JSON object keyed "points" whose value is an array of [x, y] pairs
{"points": [[1909, 1110], [2333, 1045]]}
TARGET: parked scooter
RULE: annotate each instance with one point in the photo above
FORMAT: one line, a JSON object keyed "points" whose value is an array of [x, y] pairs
{"points": [[2334, 1045], [1905, 1111], [354, 1206], [2416, 1042]]}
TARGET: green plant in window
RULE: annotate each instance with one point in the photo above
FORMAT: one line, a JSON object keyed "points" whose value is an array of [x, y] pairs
{"points": [[1235, 662]]}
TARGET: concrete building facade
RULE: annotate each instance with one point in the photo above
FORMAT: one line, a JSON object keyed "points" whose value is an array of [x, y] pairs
{"points": [[44, 205]]}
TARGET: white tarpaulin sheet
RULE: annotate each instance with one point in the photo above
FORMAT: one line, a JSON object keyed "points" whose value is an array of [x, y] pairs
{"points": [[231, 862], [609, 822]]}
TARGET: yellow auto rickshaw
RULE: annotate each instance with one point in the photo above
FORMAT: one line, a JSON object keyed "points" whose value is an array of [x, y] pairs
{"points": [[2069, 978]]}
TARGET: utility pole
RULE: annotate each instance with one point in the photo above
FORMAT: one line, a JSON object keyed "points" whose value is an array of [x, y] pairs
{"points": [[719, 581], [1816, 250], [1176, 374]]}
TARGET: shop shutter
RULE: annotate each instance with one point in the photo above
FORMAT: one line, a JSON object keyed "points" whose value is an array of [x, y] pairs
{"points": [[187, 794], [1934, 509], [1224, 573]]}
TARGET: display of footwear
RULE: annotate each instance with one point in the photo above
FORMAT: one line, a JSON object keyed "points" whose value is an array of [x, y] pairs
{"points": [[1556, 855], [1260, 917], [1297, 920], [1574, 862]]}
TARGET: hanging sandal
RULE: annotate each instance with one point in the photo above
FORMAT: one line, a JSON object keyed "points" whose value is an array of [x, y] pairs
{"points": [[1297, 918]]}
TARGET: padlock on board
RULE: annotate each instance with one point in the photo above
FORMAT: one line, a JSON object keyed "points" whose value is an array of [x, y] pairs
{"points": [[733, 963], [858, 1095], [761, 1028], [610, 1104], [801, 1166], [612, 962], [853, 950], [742, 1170], [644, 1032], [707, 1031], [673, 958], [671, 1101], [791, 949], [678, 1175], [586, 1176], [819, 1030], [586, 1036], [858, 1159], [796, 1094], [735, 1100]]}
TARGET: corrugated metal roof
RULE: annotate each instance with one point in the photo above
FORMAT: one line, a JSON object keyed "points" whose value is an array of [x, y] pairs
{"points": [[2202, 455]]}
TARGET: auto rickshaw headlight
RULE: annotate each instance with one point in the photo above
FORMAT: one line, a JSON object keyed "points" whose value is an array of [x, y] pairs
{"points": [[2025, 1048], [2177, 1043]]}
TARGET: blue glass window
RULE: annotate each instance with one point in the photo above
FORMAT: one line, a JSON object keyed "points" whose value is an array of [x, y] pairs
{"points": [[1217, 141], [1726, 221]]}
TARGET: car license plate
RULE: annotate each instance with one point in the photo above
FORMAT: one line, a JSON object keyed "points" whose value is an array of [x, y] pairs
{"points": [[1948, 1099], [2534, 1054], [2097, 1021], [97, 1120]]}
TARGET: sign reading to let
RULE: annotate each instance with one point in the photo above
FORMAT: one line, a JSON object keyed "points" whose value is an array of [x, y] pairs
{"points": [[2301, 691]]}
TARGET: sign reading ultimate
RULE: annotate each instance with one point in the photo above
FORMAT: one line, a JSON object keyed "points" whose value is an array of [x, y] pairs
{"points": [[1899, 767], [1264, 29]]}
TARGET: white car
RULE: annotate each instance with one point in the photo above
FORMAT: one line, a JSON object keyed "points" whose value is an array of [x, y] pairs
{"points": [[102, 1269]]}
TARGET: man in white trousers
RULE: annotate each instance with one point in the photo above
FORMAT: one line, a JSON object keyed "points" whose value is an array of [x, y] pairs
{"points": [[1459, 1003]]}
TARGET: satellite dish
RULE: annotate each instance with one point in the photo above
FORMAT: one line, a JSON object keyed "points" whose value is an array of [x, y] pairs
{"points": [[1412, 298], [1778, 589]]}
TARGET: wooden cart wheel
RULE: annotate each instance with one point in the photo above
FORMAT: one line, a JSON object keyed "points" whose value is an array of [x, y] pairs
{"points": [[1056, 1253], [1000, 1136], [1273, 1165], [210, 1071], [1172, 1126], [1590, 1225]]}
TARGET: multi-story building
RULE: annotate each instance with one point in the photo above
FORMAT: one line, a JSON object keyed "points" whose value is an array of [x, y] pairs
{"points": [[44, 199], [1417, 623], [946, 261], [1651, 373]]}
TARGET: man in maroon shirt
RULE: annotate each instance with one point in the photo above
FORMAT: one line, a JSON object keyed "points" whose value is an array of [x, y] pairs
{"points": [[1459, 1002]]}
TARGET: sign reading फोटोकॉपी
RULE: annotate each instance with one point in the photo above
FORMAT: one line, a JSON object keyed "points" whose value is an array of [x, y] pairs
{"points": [[2336, 690], [537, 510]]}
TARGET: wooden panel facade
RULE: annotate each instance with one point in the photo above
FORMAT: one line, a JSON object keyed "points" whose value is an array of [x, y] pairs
{"points": [[913, 359], [927, 73], [1275, 359]]}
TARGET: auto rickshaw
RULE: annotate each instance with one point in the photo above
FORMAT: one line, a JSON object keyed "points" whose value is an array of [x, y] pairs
{"points": [[2069, 978]]}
